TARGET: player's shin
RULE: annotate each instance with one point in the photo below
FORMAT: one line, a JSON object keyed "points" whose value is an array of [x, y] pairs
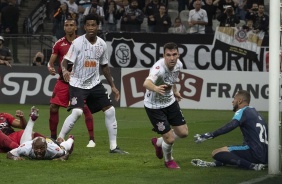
{"points": [[111, 124], [69, 122]]}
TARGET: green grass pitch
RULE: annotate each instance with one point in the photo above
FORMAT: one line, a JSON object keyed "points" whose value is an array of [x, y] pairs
{"points": [[141, 166]]}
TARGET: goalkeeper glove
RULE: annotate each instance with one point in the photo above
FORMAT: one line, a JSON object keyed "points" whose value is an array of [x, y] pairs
{"points": [[201, 138]]}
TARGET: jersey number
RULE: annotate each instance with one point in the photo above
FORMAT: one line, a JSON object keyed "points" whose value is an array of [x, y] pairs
{"points": [[262, 133]]}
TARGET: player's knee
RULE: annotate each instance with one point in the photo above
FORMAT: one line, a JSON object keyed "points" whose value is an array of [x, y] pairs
{"points": [[104, 109], [54, 108], [110, 111], [77, 112], [214, 152]]}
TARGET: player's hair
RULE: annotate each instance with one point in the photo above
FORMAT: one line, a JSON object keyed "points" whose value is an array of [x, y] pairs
{"points": [[170, 46], [39, 141], [91, 16], [70, 19], [245, 94]]}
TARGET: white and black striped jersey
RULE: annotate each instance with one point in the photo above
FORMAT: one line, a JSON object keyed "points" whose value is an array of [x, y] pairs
{"points": [[160, 74], [86, 59]]}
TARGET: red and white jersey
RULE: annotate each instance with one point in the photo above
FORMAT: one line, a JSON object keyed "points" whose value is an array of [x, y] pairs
{"points": [[60, 49], [6, 121], [25, 149], [160, 75], [86, 59]]}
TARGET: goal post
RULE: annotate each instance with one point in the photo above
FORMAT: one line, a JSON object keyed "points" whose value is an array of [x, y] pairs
{"points": [[274, 88]]}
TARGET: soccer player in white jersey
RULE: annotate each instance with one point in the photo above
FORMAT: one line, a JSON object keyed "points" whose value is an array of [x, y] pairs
{"points": [[40, 148], [87, 53], [161, 104]]}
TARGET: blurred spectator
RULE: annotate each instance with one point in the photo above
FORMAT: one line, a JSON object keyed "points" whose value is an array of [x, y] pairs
{"points": [[152, 9], [38, 59], [3, 3], [221, 5], [250, 3], [178, 27], [60, 16], [98, 10], [182, 5], [162, 20], [197, 19], [251, 11], [132, 18], [122, 6], [249, 25], [261, 20], [241, 9], [211, 10], [111, 17], [191, 4], [73, 9], [5, 54], [228, 18], [9, 18], [82, 5]]}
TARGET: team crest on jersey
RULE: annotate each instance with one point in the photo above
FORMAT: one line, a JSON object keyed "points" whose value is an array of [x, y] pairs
{"points": [[158, 67], [73, 101], [122, 54], [161, 126]]}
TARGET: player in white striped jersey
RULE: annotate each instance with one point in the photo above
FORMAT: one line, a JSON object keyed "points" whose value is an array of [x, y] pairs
{"points": [[40, 148], [161, 104], [87, 53]]}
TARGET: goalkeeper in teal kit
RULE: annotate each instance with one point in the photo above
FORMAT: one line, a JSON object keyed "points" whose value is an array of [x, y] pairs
{"points": [[253, 154]]}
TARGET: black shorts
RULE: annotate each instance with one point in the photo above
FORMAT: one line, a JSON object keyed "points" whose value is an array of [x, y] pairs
{"points": [[162, 119], [96, 98]]}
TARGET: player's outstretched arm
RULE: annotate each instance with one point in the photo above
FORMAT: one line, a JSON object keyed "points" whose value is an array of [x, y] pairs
{"points": [[64, 157], [201, 138], [148, 84], [13, 157]]}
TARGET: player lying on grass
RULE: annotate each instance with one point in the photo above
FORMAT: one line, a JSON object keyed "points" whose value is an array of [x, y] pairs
{"points": [[9, 138], [40, 148], [253, 154]]}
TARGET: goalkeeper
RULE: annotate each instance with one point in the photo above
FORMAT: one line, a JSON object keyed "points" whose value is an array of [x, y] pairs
{"points": [[253, 154]]}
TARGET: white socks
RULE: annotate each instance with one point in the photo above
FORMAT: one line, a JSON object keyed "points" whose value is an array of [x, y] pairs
{"points": [[67, 144], [70, 121], [167, 148], [167, 151], [111, 124], [27, 134]]}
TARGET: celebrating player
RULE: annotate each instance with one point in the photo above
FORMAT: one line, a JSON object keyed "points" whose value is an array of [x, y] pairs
{"points": [[253, 154], [161, 104], [87, 53], [60, 97]]}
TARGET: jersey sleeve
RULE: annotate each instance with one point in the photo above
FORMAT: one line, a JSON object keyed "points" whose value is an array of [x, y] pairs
{"points": [[23, 150], [226, 128], [55, 49], [104, 58], [72, 53], [154, 73], [9, 118]]}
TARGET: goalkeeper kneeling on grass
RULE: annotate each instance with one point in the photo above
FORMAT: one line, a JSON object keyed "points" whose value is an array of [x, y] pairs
{"points": [[253, 154]]}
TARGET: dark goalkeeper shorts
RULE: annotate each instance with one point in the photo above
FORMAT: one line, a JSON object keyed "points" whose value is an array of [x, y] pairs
{"points": [[162, 119]]}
